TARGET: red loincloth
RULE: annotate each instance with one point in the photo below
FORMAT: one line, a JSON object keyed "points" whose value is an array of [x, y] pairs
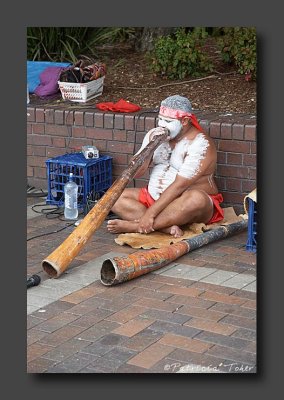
{"points": [[218, 214], [145, 197]]}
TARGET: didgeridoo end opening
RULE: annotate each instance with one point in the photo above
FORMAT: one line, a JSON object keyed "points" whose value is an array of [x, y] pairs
{"points": [[49, 269], [108, 273]]}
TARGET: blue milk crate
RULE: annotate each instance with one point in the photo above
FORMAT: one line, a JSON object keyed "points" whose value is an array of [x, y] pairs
{"points": [[93, 177], [251, 241]]}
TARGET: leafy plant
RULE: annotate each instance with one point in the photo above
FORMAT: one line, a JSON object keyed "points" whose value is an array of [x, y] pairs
{"points": [[55, 44], [181, 54], [238, 46], [67, 44]]}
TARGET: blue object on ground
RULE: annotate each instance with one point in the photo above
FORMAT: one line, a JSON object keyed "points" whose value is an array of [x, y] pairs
{"points": [[252, 227], [35, 68], [93, 177]]}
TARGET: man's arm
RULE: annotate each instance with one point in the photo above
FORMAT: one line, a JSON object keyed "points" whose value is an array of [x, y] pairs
{"points": [[172, 192], [179, 185], [195, 166], [147, 138]]}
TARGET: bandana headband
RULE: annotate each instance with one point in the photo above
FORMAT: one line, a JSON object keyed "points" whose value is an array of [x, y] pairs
{"points": [[172, 113]]}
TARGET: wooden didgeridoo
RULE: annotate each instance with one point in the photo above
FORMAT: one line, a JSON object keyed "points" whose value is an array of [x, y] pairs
{"points": [[122, 269], [58, 261]]}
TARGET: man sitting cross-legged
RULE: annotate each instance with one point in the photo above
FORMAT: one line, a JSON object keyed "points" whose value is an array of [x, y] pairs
{"points": [[181, 188]]}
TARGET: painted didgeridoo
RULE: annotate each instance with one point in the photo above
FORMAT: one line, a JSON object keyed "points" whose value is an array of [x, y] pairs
{"points": [[58, 261], [121, 269]]}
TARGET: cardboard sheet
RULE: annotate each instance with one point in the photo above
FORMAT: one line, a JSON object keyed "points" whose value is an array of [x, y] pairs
{"points": [[157, 239], [251, 195]]}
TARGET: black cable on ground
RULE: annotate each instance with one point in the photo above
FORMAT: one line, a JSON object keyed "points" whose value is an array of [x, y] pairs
{"points": [[43, 194], [33, 192], [60, 211], [49, 233], [54, 212]]}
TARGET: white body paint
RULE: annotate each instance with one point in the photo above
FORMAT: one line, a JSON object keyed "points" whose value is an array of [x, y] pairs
{"points": [[185, 160], [173, 125]]}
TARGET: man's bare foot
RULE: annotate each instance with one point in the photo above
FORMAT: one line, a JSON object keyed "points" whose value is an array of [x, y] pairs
{"points": [[122, 226], [174, 230]]}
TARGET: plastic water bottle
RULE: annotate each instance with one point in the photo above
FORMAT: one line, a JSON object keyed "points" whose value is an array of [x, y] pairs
{"points": [[70, 198]]}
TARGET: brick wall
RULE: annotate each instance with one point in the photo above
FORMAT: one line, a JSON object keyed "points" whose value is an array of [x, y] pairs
{"points": [[52, 132]]}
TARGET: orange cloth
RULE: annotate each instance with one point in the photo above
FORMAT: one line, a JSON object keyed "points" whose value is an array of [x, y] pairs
{"points": [[145, 197], [218, 214]]}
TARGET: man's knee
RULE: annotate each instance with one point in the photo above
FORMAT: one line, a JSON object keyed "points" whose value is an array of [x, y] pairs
{"points": [[195, 200], [128, 195]]}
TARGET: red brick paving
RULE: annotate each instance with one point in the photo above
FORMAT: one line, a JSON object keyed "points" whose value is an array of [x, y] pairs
{"points": [[154, 323]]}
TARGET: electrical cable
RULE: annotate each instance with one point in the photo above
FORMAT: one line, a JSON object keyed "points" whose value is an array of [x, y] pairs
{"points": [[54, 212], [46, 211], [43, 194], [33, 192], [49, 233], [42, 211]]}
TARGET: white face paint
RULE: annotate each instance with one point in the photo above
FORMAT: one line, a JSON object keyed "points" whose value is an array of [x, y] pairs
{"points": [[173, 125]]}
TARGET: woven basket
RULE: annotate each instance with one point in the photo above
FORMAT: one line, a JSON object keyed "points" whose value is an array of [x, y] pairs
{"points": [[81, 92]]}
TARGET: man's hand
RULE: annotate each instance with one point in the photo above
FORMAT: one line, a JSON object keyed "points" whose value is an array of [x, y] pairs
{"points": [[150, 136], [146, 224], [158, 131]]}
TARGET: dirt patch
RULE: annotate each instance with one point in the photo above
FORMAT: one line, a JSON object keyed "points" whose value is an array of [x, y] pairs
{"points": [[129, 77], [224, 90]]}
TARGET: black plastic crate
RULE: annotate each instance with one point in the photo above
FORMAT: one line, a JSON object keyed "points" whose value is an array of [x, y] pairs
{"points": [[93, 177], [252, 226]]}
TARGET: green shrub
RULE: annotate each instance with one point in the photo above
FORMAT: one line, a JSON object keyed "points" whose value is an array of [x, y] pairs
{"points": [[180, 55], [238, 46]]}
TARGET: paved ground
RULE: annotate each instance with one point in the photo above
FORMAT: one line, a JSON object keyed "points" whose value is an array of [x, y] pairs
{"points": [[197, 314]]}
